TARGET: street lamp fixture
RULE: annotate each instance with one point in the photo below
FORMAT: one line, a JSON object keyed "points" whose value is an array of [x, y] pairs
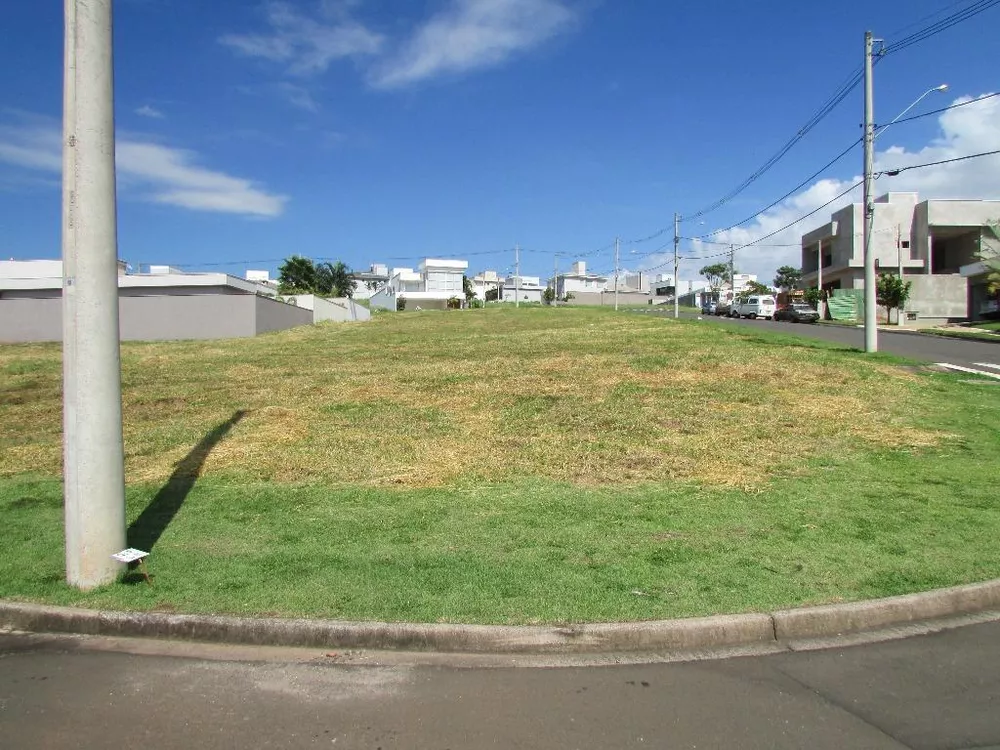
{"points": [[942, 88]]}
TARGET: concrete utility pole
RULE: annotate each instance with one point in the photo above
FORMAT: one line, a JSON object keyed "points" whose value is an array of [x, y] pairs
{"points": [[732, 268], [617, 246], [821, 305], [555, 279], [517, 275], [677, 245], [871, 330], [94, 471]]}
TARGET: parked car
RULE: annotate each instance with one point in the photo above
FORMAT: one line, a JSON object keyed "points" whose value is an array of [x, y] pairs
{"points": [[755, 306], [797, 312], [708, 308], [722, 308]]}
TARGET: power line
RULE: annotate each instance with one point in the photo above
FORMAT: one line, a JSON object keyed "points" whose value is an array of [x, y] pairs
{"points": [[937, 27], [802, 218], [711, 242], [894, 172], [791, 192], [945, 109], [929, 16], [836, 98]]}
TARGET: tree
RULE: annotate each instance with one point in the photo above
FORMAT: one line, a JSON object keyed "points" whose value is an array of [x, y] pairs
{"points": [[715, 274], [814, 296], [788, 278], [470, 293], [891, 292], [549, 295], [989, 253], [755, 287], [297, 275], [334, 280]]}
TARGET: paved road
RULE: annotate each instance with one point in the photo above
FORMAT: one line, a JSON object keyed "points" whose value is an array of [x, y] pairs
{"points": [[935, 691], [926, 348]]}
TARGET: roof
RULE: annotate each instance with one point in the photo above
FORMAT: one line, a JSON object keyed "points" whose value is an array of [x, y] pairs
{"points": [[450, 264], [143, 281]]}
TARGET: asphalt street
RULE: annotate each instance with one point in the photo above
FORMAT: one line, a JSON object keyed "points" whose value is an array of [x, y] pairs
{"points": [[933, 691], [913, 346]]}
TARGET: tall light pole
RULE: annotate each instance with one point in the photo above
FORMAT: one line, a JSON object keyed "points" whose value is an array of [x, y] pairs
{"points": [[871, 331], [617, 247], [677, 244], [93, 466], [871, 328], [517, 275]]}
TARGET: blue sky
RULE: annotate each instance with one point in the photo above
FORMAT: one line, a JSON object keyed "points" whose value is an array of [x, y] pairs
{"points": [[391, 130]]}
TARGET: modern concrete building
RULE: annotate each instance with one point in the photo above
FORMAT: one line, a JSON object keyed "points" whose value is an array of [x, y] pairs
{"points": [[152, 307], [429, 287], [929, 243]]}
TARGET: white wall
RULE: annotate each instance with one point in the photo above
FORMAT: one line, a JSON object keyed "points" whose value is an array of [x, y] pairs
{"points": [[31, 269]]}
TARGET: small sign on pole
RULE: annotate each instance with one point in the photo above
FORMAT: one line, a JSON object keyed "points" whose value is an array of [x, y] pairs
{"points": [[131, 555]]}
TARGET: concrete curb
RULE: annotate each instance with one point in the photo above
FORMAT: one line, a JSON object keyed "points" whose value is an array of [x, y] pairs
{"points": [[666, 635]]}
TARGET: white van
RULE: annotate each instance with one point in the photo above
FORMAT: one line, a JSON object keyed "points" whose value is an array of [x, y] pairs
{"points": [[757, 306]]}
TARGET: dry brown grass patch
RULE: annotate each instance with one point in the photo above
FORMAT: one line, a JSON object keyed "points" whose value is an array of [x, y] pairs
{"points": [[419, 401]]}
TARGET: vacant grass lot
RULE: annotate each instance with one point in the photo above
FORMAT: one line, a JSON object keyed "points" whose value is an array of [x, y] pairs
{"points": [[515, 466]]}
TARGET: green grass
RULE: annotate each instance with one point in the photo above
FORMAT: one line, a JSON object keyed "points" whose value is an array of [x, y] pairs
{"points": [[954, 333], [986, 325], [508, 466]]}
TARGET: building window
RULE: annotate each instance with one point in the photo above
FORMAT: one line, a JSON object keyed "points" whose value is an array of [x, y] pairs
{"points": [[905, 244]]}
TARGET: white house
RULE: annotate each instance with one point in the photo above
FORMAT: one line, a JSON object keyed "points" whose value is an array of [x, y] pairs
{"points": [[429, 287], [578, 281], [486, 282], [522, 289], [367, 282]]}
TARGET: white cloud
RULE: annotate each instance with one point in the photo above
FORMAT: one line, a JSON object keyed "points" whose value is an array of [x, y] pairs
{"points": [[307, 45], [151, 112], [473, 34], [156, 173], [971, 129], [297, 96]]}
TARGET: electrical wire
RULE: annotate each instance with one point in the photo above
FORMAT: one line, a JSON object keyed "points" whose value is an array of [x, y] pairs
{"points": [[929, 16], [801, 218], [831, 103], [937, 27], [787, 195], [945, 109], [894, 172]]}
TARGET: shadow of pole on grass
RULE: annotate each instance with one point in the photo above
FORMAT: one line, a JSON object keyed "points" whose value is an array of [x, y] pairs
{"points": [[146, 530]]}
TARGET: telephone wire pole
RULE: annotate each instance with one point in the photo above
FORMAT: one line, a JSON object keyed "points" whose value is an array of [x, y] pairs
{"points": [[677, 285], [871, 329], [93, 454]]}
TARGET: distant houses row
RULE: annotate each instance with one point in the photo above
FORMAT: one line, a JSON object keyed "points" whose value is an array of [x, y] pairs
{"points": [[164, 304]]}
